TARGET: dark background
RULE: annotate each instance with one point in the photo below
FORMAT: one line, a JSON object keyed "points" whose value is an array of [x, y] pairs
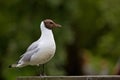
{"points": [[87, 44]]}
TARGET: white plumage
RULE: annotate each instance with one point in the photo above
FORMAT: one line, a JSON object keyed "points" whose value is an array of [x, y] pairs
{"points": [[42, 50]]}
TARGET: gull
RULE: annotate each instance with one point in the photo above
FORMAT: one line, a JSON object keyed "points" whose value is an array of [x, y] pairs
{"points": [[42, 50]]}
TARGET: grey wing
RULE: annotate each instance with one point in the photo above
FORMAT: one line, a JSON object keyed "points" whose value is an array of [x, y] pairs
{"points": [[33, 48], [27, 56]]}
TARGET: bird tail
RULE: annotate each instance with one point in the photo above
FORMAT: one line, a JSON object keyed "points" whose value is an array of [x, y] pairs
{"points": [[17, 65], [13, 65]]}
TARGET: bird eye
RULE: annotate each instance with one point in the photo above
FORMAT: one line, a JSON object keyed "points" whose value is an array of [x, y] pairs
{"points": [[51, 23]]}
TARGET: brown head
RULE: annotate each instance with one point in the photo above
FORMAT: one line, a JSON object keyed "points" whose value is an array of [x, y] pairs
{"points": [[50, 24]]}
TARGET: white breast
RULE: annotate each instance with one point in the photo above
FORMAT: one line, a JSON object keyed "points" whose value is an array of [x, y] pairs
{"points": [[47, 48], [45, 53]]}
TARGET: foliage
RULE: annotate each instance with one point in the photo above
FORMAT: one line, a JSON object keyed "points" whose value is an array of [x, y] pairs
{"points": [[93, 25]]}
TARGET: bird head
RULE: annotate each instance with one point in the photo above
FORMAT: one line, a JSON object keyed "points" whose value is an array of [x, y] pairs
{"points": [[50, 24]]}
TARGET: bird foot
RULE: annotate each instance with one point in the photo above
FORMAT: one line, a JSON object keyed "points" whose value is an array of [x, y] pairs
{"points": [[43, 74]]}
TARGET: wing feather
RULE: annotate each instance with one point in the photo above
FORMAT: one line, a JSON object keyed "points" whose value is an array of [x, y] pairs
{"points": [[32, 49]]}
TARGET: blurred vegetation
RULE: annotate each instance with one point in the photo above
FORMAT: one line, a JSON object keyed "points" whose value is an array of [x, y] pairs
{"points": [[88, 42]]}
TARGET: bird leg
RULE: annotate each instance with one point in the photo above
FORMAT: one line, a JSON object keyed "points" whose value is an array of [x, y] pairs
{"points": [[42, 73], [43, 69]]}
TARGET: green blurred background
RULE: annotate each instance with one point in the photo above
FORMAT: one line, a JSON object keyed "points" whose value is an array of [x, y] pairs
{"points": [[87, 44]]}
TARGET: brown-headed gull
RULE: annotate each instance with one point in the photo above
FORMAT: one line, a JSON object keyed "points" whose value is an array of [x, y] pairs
{"points": [[42, 50]]}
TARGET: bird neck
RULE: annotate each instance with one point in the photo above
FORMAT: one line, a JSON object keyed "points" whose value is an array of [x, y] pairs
{"points": [[45, 32]]}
